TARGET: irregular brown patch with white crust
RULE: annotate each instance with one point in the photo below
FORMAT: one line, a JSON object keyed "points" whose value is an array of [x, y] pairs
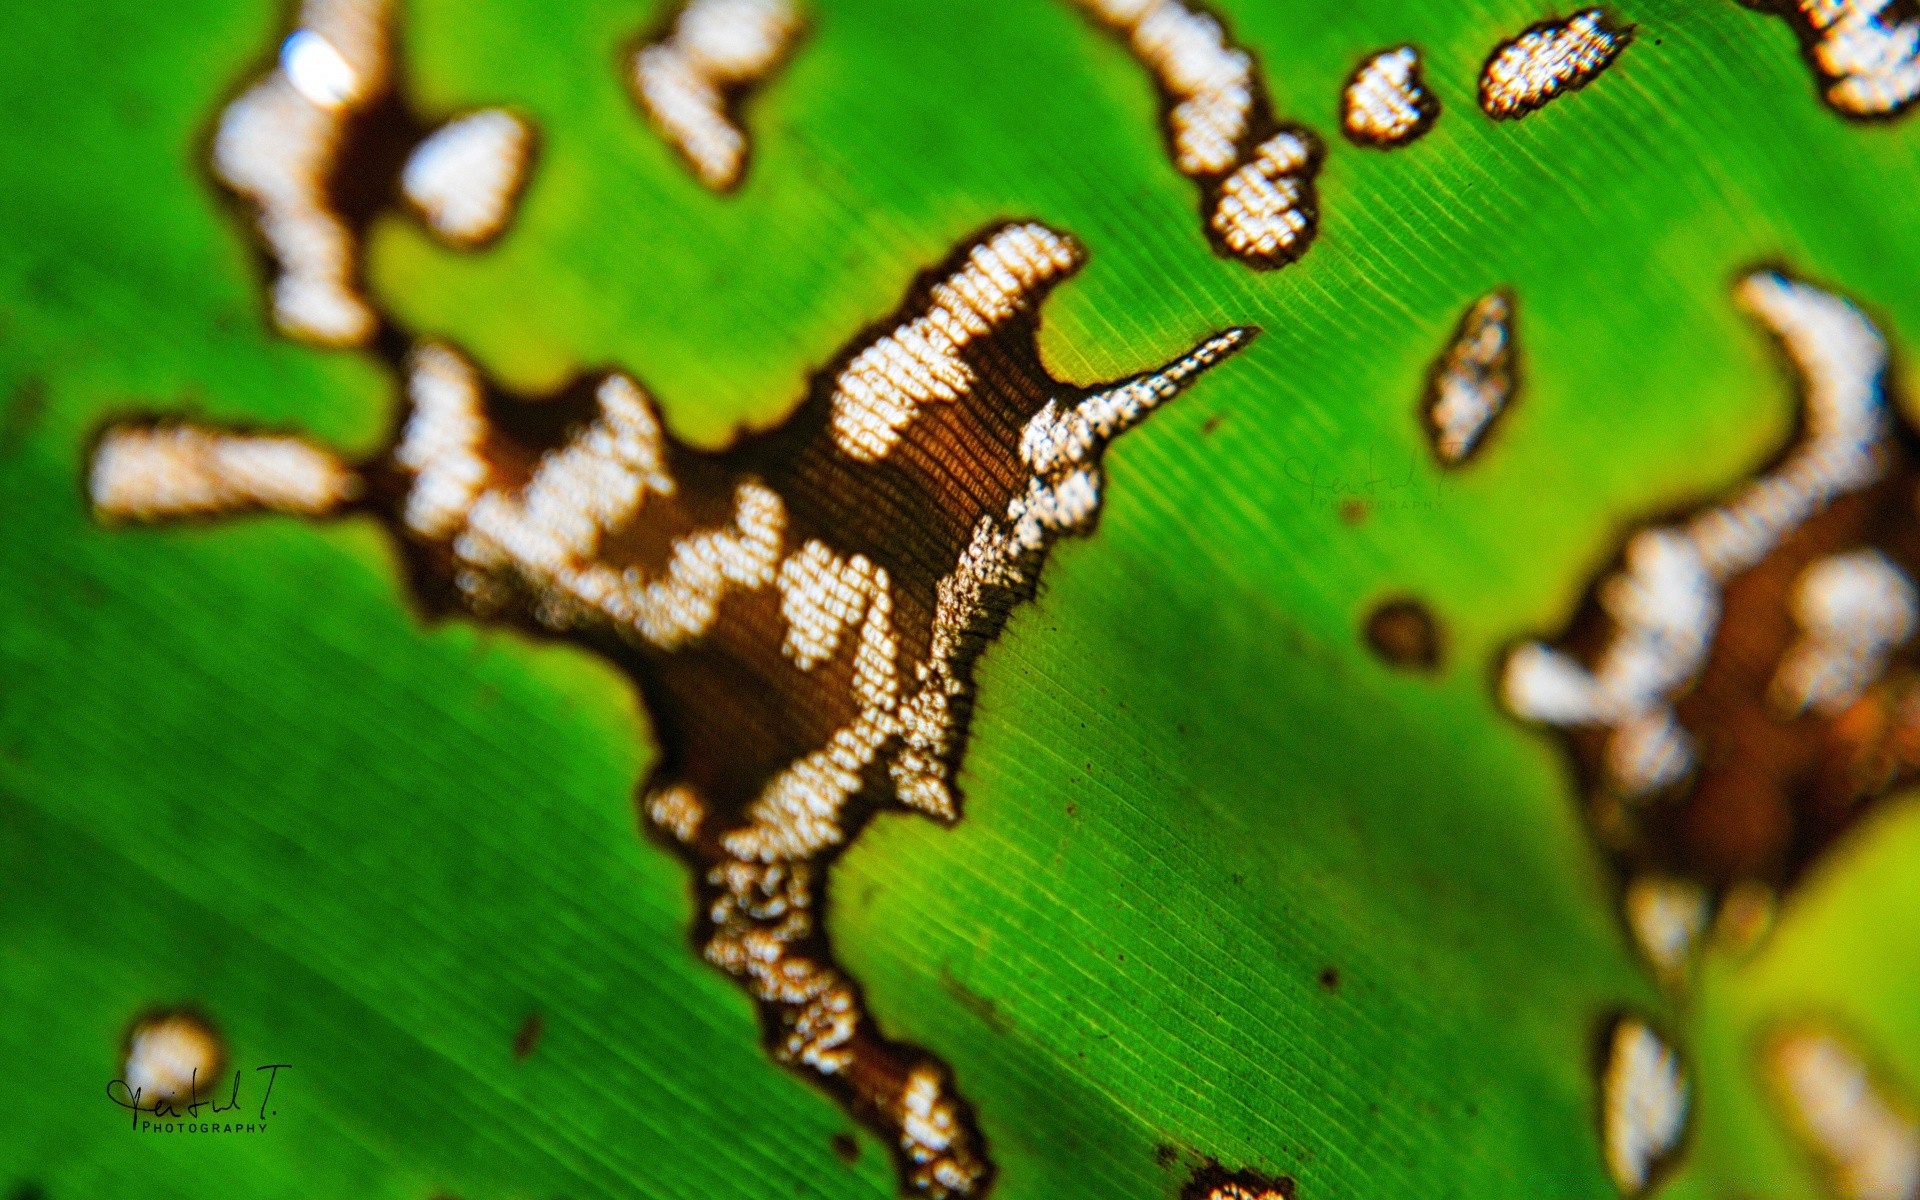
{"points": [[801, 613], [1473, 380], [1865, 54], [1740, 685], [1548, 60], [1385, 103], [1256, 175], [1644, 1101]]}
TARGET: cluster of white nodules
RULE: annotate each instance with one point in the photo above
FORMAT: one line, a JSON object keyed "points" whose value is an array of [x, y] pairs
{"points": [[546, 536], [170, 1056], [1665, 601], [882, 390], [1667, 917], [147, 473], [1386, 104], [682, 80], [1871, 67], [929, 1125], [278, 145], [1547, 60], [1211, 82], [1853, 610], [464, 178], [1265, 208], [1473, 380], [1643, 1104], [1871, 1148]]}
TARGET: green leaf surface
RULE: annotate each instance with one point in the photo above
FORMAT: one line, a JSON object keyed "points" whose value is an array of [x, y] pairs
{"points": [[237, 770]]}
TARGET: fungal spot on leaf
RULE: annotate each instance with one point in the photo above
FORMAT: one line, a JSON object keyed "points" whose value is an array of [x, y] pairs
{"points": [[526, 1039], [1256, 175], [801, 612], [170, 1055], [169, 471], [1643, 1104], [1472, 381], [694, 79], [315, 147], [1740, 685], [845, 1147], [1385, 103], [1548, 60], [1405, 634], [1866, 1139], [1212, 1182], [1865, 54], [1667, 918], [1330, 979]]}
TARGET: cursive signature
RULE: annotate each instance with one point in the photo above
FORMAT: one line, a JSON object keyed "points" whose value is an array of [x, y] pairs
{"points": [[161, 1107], [1330, 486]]}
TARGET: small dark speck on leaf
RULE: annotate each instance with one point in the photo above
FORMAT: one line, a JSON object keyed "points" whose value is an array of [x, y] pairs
{"points": [[1210, 424], [1073, 810], [1330, 978], [1405, 634], [845, 1148], [528, 1037], [1353, 511], [1165, 1154]]}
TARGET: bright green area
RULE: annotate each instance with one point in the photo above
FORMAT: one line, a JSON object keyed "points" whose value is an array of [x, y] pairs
{"points": [[233, 769]]}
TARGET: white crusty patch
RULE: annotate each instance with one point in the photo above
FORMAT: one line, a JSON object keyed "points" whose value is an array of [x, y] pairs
{"points": [[1548, 60], [1644, 1101], [1869, 1145], [928, 1126], [883, 388], [148, 473], [820, 594], [1386, 104], [1265, 208], [678, 810], [1667, 917], [1665, 601], [464, 178], [1211, 83], [1473, 380], [278, 144], [442, 441], [1868, 64], [681, 80], [1854, 610], [172, 1057]]}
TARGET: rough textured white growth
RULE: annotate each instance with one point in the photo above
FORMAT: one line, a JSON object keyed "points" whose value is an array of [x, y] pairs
{"points": [[1644, 1100], [882, 390], [1870, 66], [1871, 1148], [1665, 602], [1474, 380], [1667, 917], [180, 470], [1263, 205], [820, 594], [1854, 609], [1211, 82], [928, 1126], [1386, 105], [278, 144], [715, 44], [171, 1057], [678, 810], [1546, 61], [464, 178], [442, 441]]}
